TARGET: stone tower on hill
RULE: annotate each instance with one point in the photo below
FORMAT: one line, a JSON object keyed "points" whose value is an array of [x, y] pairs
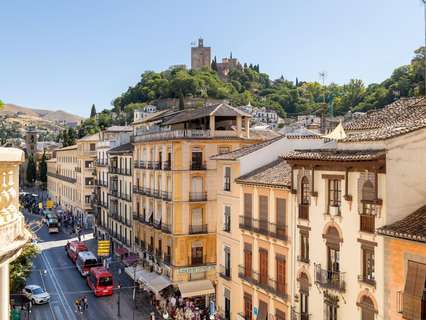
{"points": [[200, 56]]}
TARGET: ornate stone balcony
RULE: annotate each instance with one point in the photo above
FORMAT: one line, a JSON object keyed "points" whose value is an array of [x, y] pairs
{"points": [[13, 234]]}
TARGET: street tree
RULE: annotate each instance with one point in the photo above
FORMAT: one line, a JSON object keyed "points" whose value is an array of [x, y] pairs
{"points": [[31, 170], [21, 268], [43, 168], [93, 111]]}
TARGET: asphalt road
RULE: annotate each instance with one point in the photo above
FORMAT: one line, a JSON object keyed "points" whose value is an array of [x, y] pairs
{"points": [[54, 271]]}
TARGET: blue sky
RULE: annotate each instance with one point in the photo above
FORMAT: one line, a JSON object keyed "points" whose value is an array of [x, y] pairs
{"points": [[60, 54]]}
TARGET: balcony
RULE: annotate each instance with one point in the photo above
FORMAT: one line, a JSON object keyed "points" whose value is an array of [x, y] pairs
{"points": [[367, 279], [367, 223], [156, 193], [157, 224], [197, 229], [139, 190], [263, 281], [139, 164], [101, 162], [225, 272], [329, 279], [156, 165], [264, 227], [181, 134], [167, 165], [113, 169], [61, 177], [198, 165], [167, 259], [149, 165], [166, 228], [300, 316], [227, 226], [197, 261], [166, 196], [101, 183], [198, 196], [304, 211], [303, 259]]}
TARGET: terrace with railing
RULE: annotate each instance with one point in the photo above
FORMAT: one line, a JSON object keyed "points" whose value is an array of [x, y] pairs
{"points": [[330, 279], [264, 227]]}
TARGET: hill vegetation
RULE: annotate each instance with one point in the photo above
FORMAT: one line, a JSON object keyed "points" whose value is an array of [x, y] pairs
{"points": [[248, 84]]}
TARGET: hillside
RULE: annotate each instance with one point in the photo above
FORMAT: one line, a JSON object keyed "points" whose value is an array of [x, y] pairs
{"points": [[41, 114], [289, 98]]}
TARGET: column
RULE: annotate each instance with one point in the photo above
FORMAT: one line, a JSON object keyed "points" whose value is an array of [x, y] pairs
{"points": [[239, 125], [247, 126], [4, 291], [212, 125]]}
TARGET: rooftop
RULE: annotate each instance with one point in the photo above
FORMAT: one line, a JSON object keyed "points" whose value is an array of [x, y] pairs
{"points": [[334, 155], [119, 129], [236, 154], [412, 227], [400, 117], [74, 146], [92, 137], [218, 110], [276, 173], [124, 148]]}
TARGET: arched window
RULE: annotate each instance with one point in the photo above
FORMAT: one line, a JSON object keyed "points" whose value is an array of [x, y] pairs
{"points": [[367, 308], [305, 190]]}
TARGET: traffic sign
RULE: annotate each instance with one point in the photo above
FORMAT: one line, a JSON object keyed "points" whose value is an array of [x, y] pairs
{"points": [[49, 204], [103, 248]]}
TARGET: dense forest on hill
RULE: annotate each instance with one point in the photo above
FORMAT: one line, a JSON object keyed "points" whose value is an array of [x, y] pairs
{"points": [[288, 97]]}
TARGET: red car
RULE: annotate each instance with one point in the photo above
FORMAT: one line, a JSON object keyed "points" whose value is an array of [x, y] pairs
{"points": [[100, 281], [73, 248]]}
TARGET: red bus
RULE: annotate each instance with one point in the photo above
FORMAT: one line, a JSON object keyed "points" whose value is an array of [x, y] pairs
{"points": [[73, 248], [100, 281]]}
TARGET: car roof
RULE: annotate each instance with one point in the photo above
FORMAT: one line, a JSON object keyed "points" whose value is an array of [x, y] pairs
{"points": [[100, 271], [87, 254], [32, 286]]}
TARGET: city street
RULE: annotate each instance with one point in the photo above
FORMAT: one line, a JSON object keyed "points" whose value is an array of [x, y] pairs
{"points": [[54, 271]]}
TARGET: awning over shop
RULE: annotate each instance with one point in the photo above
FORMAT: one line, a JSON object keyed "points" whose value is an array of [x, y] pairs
{"points": [[195, 288], [131, 271], [159, 284], [121, 251], [131, 259], [146, 277]]}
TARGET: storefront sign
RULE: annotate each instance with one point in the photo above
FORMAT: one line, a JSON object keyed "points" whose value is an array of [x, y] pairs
{"points": [[196, 269]]}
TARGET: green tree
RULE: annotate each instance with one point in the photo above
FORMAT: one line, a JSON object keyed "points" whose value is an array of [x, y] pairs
{"points": [[31, 173], [93, 111], [43, 168], [21, 268], [1, 104], [214, 64], [72, 135]]}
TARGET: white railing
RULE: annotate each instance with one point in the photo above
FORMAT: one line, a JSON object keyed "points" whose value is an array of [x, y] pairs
{"points": [[182, 134]]}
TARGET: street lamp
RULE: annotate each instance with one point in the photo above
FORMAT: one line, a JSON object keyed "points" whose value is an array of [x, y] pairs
{"points": [[119, 290]]}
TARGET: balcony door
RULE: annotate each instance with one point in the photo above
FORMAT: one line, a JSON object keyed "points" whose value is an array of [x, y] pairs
{"points": [[248, 258], [197, 158], [197, 255], [333, 259], [197, 184], [263, 266]]}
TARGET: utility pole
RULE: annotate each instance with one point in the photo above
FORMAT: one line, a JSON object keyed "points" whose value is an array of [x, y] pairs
{"points": [[119, 291]]}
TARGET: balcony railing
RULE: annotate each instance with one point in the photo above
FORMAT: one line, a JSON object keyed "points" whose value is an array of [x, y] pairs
{"points": [[157, 224], [198, 196], [101, 183], [61, 177], [329, 279], [263, 281], [300, 316], [156, 165], [101, 162], [149, 165], [304, 211], [225, 272], [155, 193], [167, 228], [181, 134], [303, 259], [139, 190], [77, 169], [368, 279], [140, 164], [167, 196], [270, 229], [195, 229], [167, 165], [197, 261], [198, 165], [367, 223]]}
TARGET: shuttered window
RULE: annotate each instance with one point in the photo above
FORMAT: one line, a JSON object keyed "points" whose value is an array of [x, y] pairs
{"points": [[280, 214], [263, 214], [248, 205], [413, 290], [263, 311], [280, 274], [279, 315], [263, 266], [247, 261], [248, 306], [197, 216]]}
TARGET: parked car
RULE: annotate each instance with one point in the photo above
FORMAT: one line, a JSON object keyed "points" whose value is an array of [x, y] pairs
{"points": [[36, 294]]}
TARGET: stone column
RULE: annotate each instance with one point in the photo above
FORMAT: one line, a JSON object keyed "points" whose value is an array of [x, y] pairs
{"points": [[4, 291], [212, 125], [239, 125]]}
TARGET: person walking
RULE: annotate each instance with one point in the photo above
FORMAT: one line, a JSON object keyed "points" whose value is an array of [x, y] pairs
{"points": [[85, 303]]}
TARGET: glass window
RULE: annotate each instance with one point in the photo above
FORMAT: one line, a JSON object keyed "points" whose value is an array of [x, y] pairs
{"points": [[227, 179], [305, 191], [334, 193]]}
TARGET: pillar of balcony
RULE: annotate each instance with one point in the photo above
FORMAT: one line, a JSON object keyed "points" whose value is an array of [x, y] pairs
{"points": [[239, 125], [212, 125], [247, 126], [13, 234]]}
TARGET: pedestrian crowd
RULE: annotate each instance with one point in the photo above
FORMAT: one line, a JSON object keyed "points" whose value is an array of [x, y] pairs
{"points": [[81, 304]]}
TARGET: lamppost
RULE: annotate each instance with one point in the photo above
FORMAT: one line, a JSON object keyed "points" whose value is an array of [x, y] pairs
{"points": [[119, 290]]}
